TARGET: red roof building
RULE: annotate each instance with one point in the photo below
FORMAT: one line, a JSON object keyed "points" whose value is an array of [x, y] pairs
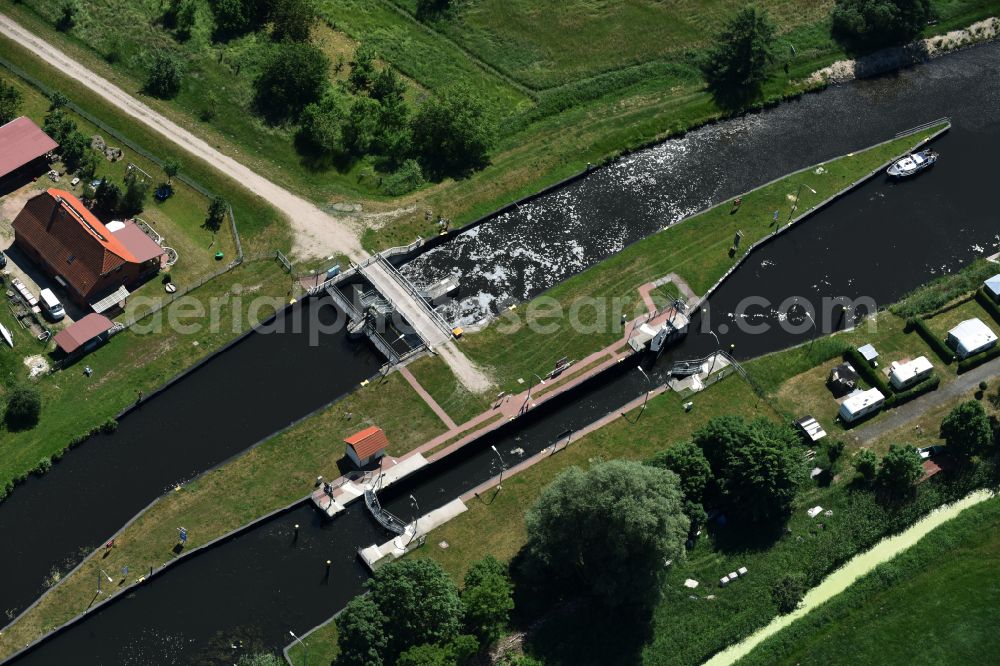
{"points": [[365, 446], [93, 327], [22, 143], [61, 235]]}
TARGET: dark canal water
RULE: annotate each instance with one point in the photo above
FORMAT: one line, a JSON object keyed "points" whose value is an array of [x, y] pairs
{"points": [[877, 242], [258, 386], [520, 253]]}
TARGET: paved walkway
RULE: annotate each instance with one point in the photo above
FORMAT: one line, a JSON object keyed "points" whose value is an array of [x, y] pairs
{"points": [[316, 233], [904, 414], [426, 397]]}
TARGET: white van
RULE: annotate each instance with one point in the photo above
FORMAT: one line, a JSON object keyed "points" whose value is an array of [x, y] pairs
{"points": [[53, 308]]}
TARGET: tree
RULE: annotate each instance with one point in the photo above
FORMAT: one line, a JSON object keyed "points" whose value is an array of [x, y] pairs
{"points": [[164, 77], [966, 430], [322, 127], [292, 19], [216, 213], [24, 406], [408, 177], [170, 168], [108, 197], [688, 462], [457, 652], [363, 68], [866, 462], [609, 529], [736, 66], [361, 634], [134, 199], [453, 133], [233, 17], [88, 165], [74, 149], [58, 125], [58, 100], [361, 131], [488, 600], [872, 24], [67, 15], [185, 19], [293, 77], [419, 602], [900, 469], [387, 86], [757, 464], [10, 103], [432, 8], [788, 591]]}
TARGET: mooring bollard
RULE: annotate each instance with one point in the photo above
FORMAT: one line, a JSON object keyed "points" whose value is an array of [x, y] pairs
{"points": [[296, 531], [328, 563]]}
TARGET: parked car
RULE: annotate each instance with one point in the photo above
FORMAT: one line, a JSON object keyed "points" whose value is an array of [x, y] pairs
{"points": [[74, 182], [51, 305], [930, 451]]}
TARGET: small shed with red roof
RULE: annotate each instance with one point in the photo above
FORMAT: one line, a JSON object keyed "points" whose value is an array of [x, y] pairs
{"points": [[366, 446], [84, 335], [23, 146]]}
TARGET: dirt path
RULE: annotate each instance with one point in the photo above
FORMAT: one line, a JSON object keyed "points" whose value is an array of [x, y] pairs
{"points": [[315, 232]]}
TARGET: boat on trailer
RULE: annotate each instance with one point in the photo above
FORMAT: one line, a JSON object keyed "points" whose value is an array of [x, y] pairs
{"points": [[912, 164]]}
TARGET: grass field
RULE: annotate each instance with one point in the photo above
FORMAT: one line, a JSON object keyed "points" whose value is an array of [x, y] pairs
{"points": [[614, 282], [572, 83], [933, 604]]}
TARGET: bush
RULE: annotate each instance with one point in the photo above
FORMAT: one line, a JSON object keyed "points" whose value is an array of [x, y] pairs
{"points": [[901, 468], [866, 462], [988, 303], [216, 213], [788, 591], [43, 466], [406, 178], [865, 369], [24, 406], [926, 386], [322, 129], [940, 348], [872, 24], [164, 77]]}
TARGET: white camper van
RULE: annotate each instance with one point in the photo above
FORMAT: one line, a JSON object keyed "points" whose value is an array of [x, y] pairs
{"points": [[53, 308]]}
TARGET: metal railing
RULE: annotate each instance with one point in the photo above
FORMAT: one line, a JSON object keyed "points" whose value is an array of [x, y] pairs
{"points": [[383, 517], [923, 126]]}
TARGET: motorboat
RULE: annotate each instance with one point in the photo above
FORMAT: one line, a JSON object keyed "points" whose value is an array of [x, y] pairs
{"points": [[912, 164]]}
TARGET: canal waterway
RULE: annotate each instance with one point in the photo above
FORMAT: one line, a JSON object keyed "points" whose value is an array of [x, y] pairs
{"points": [[251, 590], [258, 386], [520, 253]]}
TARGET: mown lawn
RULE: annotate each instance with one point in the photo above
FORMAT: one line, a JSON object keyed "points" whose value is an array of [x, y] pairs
{"points": [[272, 475], [933, 604], [696, 249], [437, 379]]}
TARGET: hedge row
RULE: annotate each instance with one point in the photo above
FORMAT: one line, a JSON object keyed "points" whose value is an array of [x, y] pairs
{"points": [[988, 303], [940, 348], [977, 360], [864, 368], [926, 386]]}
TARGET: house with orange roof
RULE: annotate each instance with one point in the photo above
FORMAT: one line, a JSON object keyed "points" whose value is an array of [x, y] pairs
{"points": [[96, 264]]}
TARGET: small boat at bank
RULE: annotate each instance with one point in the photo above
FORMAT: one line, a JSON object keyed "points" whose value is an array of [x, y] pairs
{"points": [[912, 164], [7, 337]]}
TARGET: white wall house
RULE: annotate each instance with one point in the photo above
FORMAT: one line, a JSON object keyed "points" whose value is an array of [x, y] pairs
{"points": [[992, 286], [860, 404], [971, 337], [905, 375]]}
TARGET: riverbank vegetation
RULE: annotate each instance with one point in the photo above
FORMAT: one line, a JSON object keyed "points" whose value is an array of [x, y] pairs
{"points": [[565, 84], [936, 585]]}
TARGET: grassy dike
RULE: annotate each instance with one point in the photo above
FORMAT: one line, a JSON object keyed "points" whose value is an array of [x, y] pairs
{"points": [[73, 404], [932, 604], [697, 249]]}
